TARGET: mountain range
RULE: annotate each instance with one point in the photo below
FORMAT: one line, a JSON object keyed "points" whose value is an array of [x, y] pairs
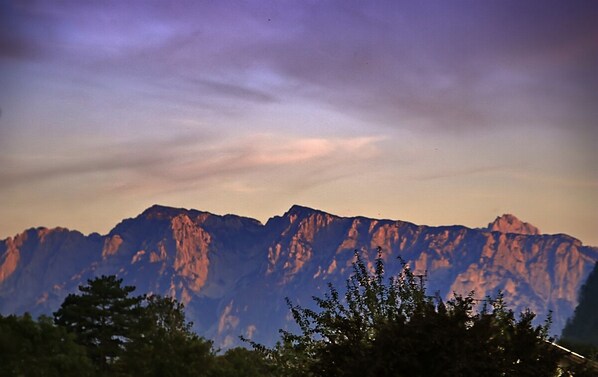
{"points": [[233, 273]]}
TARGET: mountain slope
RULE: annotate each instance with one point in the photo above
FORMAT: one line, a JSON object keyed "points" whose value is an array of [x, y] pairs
{"points": [[233, 273]]}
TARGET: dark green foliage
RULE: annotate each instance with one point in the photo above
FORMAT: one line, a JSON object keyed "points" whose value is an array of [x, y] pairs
{"points": [[379, 327], [133, 335], [101, 317], [581, 331], [38, 348], [104, 331], [241, 362], [162, 343], [390, 327]]}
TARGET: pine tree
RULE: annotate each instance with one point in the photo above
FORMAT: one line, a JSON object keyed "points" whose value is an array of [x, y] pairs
{"points": [[583, 326], [101, 317], [581, 331]]}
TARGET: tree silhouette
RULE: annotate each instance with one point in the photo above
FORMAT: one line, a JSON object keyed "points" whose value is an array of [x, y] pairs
{"points": [[391, 327], [162, 343], [38, 348], [102, 317], [581, 331]]}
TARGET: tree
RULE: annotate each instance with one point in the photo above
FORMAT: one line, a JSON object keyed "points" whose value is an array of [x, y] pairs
{"points": [[241, 362], [101, 317], [581, 331], [133, 335], [391, 327], [39, 348], [162, 343]]}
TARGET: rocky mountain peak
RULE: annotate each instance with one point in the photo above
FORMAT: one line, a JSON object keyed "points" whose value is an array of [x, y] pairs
{"points": [[508, 223], [162, 212], [301, 211], [232, 272]]}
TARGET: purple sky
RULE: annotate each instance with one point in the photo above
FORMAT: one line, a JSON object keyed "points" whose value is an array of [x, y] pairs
{"points": [[436, 112]]}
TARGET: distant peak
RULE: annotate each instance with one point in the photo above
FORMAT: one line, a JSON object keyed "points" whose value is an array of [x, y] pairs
{"points": [[508, 223], [302, 211], [163, 212], [299, 208], [156, 208]]}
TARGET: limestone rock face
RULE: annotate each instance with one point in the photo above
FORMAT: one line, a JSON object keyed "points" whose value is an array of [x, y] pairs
{"points": [[233, 273], [511, 224], [191, 259]]}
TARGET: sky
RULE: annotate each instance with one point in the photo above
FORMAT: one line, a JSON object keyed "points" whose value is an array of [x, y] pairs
{"points": [[434, 112]]}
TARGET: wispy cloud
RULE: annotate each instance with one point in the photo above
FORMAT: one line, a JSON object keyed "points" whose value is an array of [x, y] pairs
{"points": [[163, 165], [250, 160]]}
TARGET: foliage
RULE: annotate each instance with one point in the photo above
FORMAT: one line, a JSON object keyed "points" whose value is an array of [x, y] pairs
{"points": [[581, 331], [104, 331], [379, 327], [391, 327], [133, 335], [163, 344], [38, 348], [101, 317], [241, 362]]}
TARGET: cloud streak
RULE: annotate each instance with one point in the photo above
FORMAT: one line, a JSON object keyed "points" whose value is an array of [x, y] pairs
{"points": [[176, 163]]}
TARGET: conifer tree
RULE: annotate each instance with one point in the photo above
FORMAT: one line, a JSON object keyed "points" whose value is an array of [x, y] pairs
{"points": [[581, 331], [101, 317]]}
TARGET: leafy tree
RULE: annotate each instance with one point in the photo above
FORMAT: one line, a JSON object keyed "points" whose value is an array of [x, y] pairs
{"points": [[39, 348], [163, 344], [101, 317], [241, 362], [391, 327]]}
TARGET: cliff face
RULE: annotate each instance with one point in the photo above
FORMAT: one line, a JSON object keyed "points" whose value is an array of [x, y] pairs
{"points": [[233, 273], [511, 224]]}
